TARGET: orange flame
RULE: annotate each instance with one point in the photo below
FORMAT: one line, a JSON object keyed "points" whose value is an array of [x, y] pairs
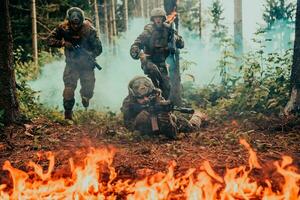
{"points": [[86, 182], [170, 18]]}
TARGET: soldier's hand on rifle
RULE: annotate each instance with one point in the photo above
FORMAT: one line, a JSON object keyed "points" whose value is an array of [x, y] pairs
{"points": [[143, 57], [67, 44]]}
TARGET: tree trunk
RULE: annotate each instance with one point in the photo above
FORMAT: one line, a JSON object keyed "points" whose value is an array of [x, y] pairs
{"points": [[110, 25], [34, 34], [8, 100], [113, 12], [105, 20], [175, 79], [142, 8], [238, 31], [147, 5], [200, 19], [294, 102], [125, 7], [97, 21]]}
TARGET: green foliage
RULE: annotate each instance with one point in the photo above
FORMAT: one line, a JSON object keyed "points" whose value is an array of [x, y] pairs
{"points": [[219, 30], [26, 71], [189, 14], [96, 117], [279, 17], [260, 87], [278, 10], [28, 99], [226, 66]]}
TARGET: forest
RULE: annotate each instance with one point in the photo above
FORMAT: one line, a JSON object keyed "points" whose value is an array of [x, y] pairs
{"points": [[233, 69]]}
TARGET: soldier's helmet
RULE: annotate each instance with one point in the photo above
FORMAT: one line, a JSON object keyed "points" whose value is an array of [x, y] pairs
{"points": [[75, 16], [158, 12], [140, 86]]}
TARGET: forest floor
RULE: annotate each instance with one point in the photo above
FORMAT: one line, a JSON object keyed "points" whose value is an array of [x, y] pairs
{"points": [[137, 156]]}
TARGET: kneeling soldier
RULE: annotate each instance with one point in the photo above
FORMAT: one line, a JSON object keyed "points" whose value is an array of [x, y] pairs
{"points": [[145, 110]]}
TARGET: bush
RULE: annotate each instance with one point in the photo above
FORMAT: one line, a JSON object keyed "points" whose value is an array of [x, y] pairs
{"points": [[261, 87]]}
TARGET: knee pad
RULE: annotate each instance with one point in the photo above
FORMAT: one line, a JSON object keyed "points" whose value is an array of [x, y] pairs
{"points": [[69, 104], [68, 93]]}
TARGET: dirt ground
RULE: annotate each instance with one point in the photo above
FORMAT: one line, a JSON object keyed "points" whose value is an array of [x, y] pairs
{"points": [[137, 156]]}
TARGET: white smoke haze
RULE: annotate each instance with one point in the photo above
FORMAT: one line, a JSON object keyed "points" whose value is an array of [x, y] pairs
{"points": [[119, 69], [111, 81]]}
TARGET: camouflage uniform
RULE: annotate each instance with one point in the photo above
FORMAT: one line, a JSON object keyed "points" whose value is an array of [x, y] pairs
{"points": [[77, 65], [138, 117], [154, 41]]}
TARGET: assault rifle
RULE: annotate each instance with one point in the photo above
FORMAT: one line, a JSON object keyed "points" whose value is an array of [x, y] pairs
{"points": [[171, 25], [79, 51], [168, 107], [163, 106]]}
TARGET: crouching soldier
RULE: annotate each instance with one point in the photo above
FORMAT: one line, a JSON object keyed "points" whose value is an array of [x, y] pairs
{"points": [[81, 46], [153, 46], [145, 110]]}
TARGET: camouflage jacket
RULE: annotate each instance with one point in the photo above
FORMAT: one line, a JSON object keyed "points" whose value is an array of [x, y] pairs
{"points": [[86, 38], [131, 108], [155, 42]]}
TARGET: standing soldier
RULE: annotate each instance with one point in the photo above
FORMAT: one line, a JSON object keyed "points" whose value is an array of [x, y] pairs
{"points": [[153, 46], [81, 45]]}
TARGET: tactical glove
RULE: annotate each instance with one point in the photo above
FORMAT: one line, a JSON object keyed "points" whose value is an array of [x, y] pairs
{"points": [[67, 45], [136, 108]]}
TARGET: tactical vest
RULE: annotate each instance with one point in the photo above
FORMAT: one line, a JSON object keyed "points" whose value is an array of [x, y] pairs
{"points": [[80, 38], [157, 47]]}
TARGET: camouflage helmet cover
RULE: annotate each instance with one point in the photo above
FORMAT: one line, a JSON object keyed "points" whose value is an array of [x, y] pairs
{"points": [[158, 12], [140, 86]]}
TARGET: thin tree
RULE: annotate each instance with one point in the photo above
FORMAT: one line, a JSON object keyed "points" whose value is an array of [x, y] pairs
{"points": [[34, 33], [97, 21], [110, 23], [113, 15], [238, 30], [106, 31], [8, 101], [142, 8], [294, 102], [125, 7], [200, 18], [147, 5]]}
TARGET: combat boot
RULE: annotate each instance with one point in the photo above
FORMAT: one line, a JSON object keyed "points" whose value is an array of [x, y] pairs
{"points": [[85, 102], [68, 114]]}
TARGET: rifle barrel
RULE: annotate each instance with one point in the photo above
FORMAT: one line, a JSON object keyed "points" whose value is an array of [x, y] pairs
{"points": [[184, 110]]}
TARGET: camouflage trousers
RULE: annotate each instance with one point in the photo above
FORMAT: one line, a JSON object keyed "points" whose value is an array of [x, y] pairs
{"points": [[159, 75], [168, 124], [72, 73]]}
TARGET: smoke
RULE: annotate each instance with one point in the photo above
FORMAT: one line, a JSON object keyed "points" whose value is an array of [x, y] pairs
{"points": [[111, 81], [118, 70]]}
